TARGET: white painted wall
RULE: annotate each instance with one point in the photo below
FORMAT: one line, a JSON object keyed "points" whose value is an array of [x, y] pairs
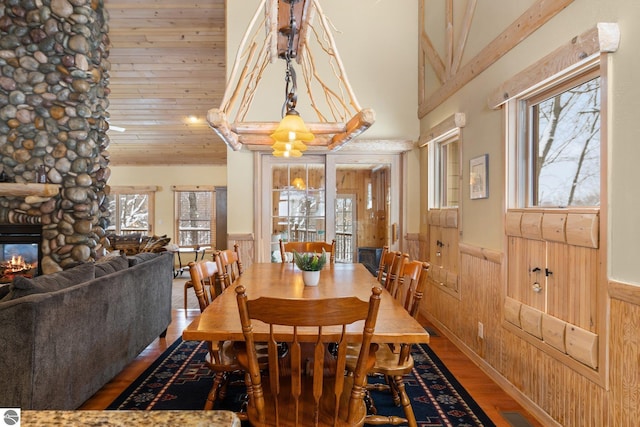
{"points": [[482, 219], [165, 177], [378, 43]]}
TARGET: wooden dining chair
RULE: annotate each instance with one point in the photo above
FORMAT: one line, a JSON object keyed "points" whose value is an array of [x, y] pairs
{"points": [[222, 356], [386, 262], [229, 266], [308, 386], [302, 247], [392, 265], [385, 251], [393, 362], [209, 282], [202, 274]]}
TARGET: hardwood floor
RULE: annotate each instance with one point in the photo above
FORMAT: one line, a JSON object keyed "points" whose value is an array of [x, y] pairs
{"points": [[487, 394], [491, 398]]}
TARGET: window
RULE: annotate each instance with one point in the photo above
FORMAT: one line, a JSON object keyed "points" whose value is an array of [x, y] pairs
{"points": [[195, 218], [443, 156], [562, 137], [556, 169], [299, 196], [448, 171], [345, 211], [131, 210]]}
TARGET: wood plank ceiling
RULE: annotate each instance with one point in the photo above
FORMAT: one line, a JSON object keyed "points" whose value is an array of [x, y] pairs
{"points": [[167, 65]]}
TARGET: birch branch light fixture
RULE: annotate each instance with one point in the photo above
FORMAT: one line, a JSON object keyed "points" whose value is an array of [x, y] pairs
{"points": [[290, 35]]}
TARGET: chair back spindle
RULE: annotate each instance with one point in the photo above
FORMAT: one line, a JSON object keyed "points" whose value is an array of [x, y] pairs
{"points": [[413, 304], [229, 266], [203, 273], [392, 278], [307, 247], [407, 283], [310, 379]]}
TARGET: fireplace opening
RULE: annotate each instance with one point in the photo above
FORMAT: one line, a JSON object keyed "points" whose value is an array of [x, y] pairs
{"points": [[20, 251]]}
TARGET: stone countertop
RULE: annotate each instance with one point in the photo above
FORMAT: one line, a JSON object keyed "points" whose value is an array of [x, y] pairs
{"points": [[29, 418]]}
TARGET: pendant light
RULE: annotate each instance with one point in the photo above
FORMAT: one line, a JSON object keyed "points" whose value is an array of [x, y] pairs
{"points": [[292, 133]]}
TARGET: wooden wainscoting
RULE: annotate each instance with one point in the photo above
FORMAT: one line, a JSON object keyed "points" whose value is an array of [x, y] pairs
{"points": [[247, 243], [624, 354], [553, 392], [412, 246]]}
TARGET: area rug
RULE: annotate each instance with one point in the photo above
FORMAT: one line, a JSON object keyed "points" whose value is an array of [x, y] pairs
{"points": [[179, 379]]}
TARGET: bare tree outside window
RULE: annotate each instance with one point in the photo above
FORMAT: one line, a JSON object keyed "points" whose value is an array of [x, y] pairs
{"points": [[195, 218], [129, 213], [566, 147]]}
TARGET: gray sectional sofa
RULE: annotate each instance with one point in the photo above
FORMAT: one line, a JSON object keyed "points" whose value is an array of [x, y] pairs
{"points": [[65, 335]]}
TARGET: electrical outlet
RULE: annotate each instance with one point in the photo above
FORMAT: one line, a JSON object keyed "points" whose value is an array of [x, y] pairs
{"points": [[480, 330]]}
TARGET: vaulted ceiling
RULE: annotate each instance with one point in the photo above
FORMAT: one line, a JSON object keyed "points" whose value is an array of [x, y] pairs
{"points": [[167, 70]]}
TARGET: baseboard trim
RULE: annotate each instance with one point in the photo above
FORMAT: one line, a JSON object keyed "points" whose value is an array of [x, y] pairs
{"points": [[510, 389]]}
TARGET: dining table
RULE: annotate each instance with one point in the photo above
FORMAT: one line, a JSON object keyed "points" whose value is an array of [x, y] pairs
{"points": [[220, 321]]}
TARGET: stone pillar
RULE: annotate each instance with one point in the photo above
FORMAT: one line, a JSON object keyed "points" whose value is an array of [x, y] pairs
{"points": [[53, 110]]}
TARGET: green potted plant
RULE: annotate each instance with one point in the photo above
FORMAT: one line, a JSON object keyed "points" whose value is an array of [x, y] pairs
{"points": [[310, 264]]}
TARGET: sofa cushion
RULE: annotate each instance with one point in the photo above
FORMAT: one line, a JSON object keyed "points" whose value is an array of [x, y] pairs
{"points": [[22, 286], [141, 257], [111, 264]]}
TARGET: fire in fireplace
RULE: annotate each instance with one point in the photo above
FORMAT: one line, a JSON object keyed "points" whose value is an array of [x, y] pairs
{"points": [[20, 251]]}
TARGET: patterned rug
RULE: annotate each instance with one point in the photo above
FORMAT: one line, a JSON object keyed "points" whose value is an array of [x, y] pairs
{"points": [[179, 379]]}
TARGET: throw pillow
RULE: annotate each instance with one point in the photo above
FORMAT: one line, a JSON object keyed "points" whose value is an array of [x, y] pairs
{"points": [[155, 244], [108, 265], [127, 243], [22, 286]]}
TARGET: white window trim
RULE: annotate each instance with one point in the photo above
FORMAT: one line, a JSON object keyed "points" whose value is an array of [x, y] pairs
{"points": [[575, 56], [149, 190], [518, 138], [443, 131], [194, 188]]}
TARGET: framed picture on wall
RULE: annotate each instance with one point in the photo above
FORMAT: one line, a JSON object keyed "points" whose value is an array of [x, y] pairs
{"points": [[479, 177]]}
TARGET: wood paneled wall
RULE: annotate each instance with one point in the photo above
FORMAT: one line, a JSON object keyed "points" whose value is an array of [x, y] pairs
{"points": [[624, 368], [371, 224], [553, 392], [168, 65]]}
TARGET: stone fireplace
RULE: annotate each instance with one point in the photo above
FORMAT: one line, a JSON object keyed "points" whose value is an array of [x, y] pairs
{"points": [[53, 111]]}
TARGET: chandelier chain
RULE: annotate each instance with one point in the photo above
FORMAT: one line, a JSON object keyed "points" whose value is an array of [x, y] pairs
{"points": [[291, 87]]}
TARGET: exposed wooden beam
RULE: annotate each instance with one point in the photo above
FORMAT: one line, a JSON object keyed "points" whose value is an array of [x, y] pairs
{"points": [[604, 37], [539, 13], [421, 63], [434, 59], [448, 39], [457, 120], [464, 35]]}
